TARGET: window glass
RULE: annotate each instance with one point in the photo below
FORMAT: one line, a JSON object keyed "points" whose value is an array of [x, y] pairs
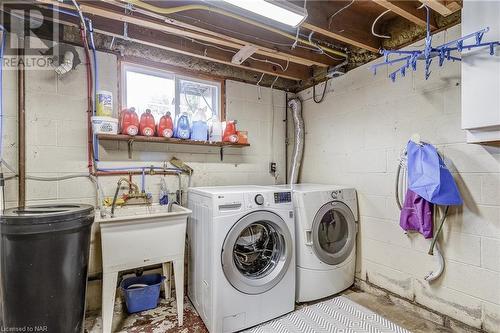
{"points": [[150, 92], [194, 96], [163, 92]]}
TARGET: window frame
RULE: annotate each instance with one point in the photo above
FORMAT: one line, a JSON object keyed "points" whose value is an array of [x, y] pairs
{"points": [[175, 74]]}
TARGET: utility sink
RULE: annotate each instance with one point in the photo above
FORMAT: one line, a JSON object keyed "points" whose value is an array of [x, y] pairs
{"points": [[139, 236], [141, 212]]}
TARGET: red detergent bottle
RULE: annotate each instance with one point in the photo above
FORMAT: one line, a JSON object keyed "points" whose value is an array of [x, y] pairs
{"points": [[165, 126], [129, 122], [230, 134], [147, 124]]}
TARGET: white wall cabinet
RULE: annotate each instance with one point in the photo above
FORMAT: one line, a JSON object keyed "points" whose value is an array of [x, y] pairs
{"points": [[481, 74]]}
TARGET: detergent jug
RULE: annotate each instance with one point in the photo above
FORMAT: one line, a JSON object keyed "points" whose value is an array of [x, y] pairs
{"points": [[182, 128], [129, 122], [199, 130], [216, 131], [165, 126], [147, 124], [230, 133]]}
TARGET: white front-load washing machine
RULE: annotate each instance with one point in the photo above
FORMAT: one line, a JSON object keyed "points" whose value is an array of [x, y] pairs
{"points": [[325, 235], [241, 255]]}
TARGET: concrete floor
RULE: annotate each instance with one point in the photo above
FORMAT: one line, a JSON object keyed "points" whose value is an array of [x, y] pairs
{"points": [[164, 318]]}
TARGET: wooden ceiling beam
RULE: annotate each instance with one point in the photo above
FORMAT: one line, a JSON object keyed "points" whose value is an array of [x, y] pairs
{"points": [[353, 30], [177, 44], [212, 24], [193, 32], [407, 10], [180, 45], [340, 38], [443, 7]]}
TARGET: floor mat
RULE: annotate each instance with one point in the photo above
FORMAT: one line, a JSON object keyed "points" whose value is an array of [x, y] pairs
{"points": [[338, 315]]}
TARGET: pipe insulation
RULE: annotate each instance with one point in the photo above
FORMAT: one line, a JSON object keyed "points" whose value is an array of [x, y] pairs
{"points": [[295, 106]]}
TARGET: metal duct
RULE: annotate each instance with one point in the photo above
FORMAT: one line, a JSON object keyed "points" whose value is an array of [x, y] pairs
{"points": [[295, 106]]}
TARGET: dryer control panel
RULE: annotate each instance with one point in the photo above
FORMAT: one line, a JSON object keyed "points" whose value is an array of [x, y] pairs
{"points": [[337, 195], [282, 197]]}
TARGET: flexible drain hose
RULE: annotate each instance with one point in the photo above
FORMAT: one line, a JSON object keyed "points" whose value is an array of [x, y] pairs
{"points": [[400, 178], [295, 106]]}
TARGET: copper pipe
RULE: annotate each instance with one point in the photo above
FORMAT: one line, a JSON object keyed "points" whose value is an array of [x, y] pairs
{"points": [[21, 129], [90, 112]]}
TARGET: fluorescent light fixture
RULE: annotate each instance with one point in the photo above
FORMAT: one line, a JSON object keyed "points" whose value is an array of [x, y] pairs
{"points": [[280, 11]]}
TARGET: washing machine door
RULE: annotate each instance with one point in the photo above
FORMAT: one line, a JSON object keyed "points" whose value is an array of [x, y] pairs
{"points": [[257, 252], [333, 232]]}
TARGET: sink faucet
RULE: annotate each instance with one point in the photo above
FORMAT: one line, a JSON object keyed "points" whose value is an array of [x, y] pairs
{"points": [[170, 205], [134, 188]]}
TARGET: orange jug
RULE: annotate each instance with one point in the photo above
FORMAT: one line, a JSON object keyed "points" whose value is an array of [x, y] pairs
{"points": [[230, 134], [165, 126], [129, 122], [147, 124]]}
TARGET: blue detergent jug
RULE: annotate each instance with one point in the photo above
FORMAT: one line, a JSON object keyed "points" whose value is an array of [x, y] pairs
{"points": [[199, 130], [182, 128]]}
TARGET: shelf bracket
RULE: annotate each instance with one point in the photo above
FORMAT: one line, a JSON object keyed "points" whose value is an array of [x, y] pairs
{"points": [[130, 145]]}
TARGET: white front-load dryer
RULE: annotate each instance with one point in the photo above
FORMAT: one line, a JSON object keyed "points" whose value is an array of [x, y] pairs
{"points": [[326, 228], [241, 255]]}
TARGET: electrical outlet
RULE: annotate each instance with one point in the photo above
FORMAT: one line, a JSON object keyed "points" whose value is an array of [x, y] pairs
{"points": [[272, 168]]}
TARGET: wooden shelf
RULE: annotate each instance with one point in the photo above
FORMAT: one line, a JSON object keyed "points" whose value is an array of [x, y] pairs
{"points": [[153, 139], [121, 137]]}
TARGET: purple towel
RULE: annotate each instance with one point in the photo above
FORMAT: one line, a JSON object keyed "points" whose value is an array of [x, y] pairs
{"points": [[416, 214]]}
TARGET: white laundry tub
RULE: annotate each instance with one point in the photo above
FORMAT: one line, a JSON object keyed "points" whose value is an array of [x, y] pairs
{"points": [[140, 236]]}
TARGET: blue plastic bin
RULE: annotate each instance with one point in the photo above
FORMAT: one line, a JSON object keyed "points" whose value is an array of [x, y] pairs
{"points": [[142, 292]]}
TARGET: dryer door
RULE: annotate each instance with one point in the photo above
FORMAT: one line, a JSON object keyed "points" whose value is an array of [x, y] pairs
{"points": [[333, 232], [257, 252]]}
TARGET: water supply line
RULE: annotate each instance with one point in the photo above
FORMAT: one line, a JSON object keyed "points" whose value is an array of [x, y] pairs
{"points": [[2, 180], [295, 106], [21, 127]]}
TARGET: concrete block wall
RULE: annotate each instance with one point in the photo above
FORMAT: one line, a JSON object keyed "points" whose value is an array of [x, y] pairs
{"points": [[356, 136], [56, 131]]}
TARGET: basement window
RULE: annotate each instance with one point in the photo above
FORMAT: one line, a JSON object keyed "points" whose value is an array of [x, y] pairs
{"points": [[160, 91]]}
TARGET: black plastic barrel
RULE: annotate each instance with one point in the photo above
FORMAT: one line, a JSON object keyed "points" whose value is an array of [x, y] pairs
{"points": [[44, 253]]}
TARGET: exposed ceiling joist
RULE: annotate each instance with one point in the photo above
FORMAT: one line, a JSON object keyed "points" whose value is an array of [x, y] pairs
{"points": [[340, 38], [407, 10], [177, 44], [205, 36], [353, 30], [443, 7]]}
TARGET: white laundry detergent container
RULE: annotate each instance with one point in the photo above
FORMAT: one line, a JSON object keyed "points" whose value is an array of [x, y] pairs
{"points": [[104, 125]]}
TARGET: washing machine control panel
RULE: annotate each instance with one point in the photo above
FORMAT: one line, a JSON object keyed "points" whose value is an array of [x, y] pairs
{"points": [[259, 199], [282, 197]]}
